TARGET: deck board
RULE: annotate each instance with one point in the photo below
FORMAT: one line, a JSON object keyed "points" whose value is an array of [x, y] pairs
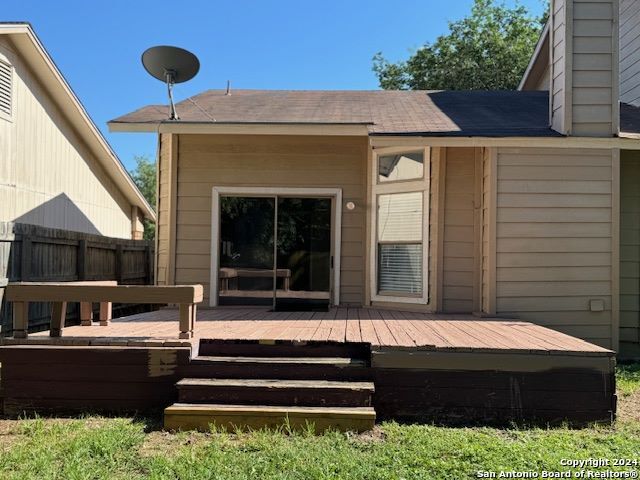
{"points": [[382, 328]]}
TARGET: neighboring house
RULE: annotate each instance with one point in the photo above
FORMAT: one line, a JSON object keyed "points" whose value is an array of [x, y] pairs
{"points": [[496, 203], [56, 169]]}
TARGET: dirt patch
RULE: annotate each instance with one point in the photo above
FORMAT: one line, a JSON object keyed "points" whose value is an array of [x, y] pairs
{"points": [[161, 442], [629, 407]]}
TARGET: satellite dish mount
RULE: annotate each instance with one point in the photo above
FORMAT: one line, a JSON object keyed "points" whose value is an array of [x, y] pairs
{"points": [[170, 65]]}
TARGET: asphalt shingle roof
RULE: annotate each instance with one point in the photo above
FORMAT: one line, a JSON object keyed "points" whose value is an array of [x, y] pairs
{"points": [[436, 113], [383, 112]]}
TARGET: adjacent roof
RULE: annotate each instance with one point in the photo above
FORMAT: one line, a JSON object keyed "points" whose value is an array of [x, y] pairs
{"points": [[33, 52], [383, 112]]}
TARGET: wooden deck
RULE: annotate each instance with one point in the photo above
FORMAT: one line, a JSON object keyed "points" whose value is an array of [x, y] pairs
{"points": [[383, 329], [451, 369]]}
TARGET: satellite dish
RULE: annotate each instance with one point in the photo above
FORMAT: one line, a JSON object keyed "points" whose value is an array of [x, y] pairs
{"points": [[170, 65]]}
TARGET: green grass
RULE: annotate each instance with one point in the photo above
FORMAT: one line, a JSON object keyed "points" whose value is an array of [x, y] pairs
{"points": [[134, 448], [628, 379], [120, 449]]}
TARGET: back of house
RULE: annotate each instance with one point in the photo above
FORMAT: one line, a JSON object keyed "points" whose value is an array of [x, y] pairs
{"points": [[517, 204]]}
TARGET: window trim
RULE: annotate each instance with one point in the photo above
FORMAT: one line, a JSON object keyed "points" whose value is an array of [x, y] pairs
{"points": [[400, 186]]}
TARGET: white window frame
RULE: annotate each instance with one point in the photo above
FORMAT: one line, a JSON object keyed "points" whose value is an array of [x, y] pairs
{"points": [[400, 186], [333, 193]]}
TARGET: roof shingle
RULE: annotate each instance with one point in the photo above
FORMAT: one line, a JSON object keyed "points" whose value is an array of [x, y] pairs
{"points": [[383, 112]]}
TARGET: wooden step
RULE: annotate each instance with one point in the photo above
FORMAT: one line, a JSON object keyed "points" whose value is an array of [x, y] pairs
{"points": [[286, 368], [184, 416], [275, 392], [283, 348]]}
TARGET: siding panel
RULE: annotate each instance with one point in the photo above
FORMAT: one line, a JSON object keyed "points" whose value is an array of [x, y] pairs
{"points": [[554, 240], [48, 175], [629, 252], [459, 236], [206, 161], [630, 51]]}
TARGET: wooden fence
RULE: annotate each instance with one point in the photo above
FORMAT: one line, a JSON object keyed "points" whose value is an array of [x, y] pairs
{"points": [[30, 253]]}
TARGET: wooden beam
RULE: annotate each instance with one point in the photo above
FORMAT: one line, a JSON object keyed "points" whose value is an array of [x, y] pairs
{"points": [[69, 292], [58, 318], [408, 141], [86, 313], [106, 313], [20, 319], [187, 314]]}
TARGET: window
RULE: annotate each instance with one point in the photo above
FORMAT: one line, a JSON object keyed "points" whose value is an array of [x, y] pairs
{"points": [[6, 89], [402, 166], [400, 188], [400, 243]]}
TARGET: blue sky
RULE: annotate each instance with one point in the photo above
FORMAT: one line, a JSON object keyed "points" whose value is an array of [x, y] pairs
{"points": [[273, 45]]}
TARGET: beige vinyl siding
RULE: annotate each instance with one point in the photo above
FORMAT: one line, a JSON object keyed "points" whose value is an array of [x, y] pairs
{"points": [[48, 176], [557, 78], [543, 82], [164, 196], [488, 232], [584, 67], [594, 63], [205, 161], [554, 239], [630, 51], [630, 253], [459, 237]]}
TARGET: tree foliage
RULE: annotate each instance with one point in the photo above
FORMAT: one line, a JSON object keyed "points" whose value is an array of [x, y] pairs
{"points": [[144, 176], [487, 50]]}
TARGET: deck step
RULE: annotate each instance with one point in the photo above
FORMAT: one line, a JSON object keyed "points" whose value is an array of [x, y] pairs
{"points": [[283, 348], [285, 368], [275, 392], [184, 416]]}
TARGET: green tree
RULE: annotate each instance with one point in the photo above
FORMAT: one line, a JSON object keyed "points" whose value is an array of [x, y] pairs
{"points": [[144, 176], [487, 50]]}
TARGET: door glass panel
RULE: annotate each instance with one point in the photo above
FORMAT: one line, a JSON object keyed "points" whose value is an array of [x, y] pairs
{"points": [[303, 254], [246, 251]]}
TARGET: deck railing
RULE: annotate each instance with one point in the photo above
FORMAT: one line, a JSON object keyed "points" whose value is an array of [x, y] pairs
{"points": [[104, 293]]}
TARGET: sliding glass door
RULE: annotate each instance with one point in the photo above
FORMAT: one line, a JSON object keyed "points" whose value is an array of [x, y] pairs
{"points": [[275, 251], [245, 275]]}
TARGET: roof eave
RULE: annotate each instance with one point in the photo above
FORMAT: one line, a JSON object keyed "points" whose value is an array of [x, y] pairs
{"points": [[230, 128], [535, 56]]}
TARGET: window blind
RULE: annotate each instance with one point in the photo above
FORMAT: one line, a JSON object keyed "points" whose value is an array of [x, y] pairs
{"points": [[400, 243], [400, 268]]}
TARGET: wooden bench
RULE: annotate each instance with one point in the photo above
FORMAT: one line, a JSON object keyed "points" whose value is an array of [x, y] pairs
{"points": [[104, 293], [227, 274]]}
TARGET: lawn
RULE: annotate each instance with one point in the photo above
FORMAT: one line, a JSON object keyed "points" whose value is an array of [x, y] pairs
{"points": [[132, 448]]}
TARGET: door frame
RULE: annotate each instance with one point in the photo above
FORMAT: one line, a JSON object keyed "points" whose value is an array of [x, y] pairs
{"points": [[335, 194]]}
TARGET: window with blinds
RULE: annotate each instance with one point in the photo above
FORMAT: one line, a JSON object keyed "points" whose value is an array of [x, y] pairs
{"points": [[400, 220], [6, 81], [400, 243]]}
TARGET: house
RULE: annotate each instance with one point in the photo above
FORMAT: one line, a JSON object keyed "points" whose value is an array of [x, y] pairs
{"points": [[422, 255], [493, 203], [61, 184], [56, 168]]}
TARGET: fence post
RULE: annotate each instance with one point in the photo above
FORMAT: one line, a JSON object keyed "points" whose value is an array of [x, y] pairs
{"points": [[119, 264], [148, 265], [81, 261], [25, 259]]}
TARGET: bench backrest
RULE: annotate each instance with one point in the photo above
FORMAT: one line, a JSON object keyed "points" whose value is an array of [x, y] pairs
{"points": [[102, 292]]}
